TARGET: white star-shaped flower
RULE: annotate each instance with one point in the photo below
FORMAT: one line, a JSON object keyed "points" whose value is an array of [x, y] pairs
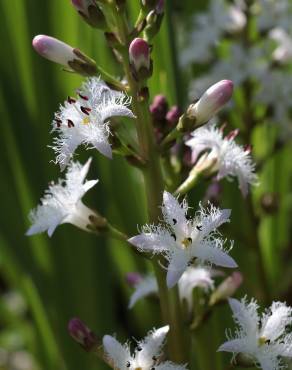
{"points": [[262, 338], [146, 355], [193, 277], [84, 120], [62, 202], [232, 160], [181, 240]]}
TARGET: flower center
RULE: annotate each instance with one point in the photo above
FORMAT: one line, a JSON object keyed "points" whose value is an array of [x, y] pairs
{"points": [[85, 120], [186, 242], [262, 341], [138, 368]]}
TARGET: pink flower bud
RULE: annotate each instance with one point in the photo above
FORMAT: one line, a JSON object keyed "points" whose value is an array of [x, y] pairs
{"points": [[227, 288], [133, 278], [173, 115], [159, 107], [53, 49], [82, 334], [139, 54], [90, 12], [83, 5], [211, 101]]}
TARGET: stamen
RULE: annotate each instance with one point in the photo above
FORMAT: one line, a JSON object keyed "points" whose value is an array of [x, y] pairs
{"points": [[85, 110], [232, 134], [58, 122], [70, 123], [173, 235], [199, 227], [139, 348], [82, 96], [71, 100], [174, 221], [154, 358], [247, 148], [128, 364], [186, 242]]}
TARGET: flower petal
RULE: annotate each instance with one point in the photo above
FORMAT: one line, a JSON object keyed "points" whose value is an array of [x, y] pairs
{"points": [[170, 366], [234, 345], [118, 353], [208, 253], [153, 242], [175, 213], [151, 346], [145, 287], [177, 265]]}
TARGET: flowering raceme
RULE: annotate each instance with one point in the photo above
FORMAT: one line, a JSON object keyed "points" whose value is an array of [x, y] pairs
{"points": [[181, 240], [146, 355], [263, 340], [231, 160], [84, 120], [62, 202]]}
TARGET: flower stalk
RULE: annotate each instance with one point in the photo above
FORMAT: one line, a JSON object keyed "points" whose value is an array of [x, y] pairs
{"points": [[153, 182]]}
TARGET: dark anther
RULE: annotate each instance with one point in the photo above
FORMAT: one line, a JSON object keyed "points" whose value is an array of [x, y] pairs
{"points": [[58, 122], [199, 227], [71, 100], [152, 368], [188, 217], [128, 364], [85, 110], [174, 221], [83, 96], [70, 123], [173, 235], [190, 240], [154, 358], [139, 348], [268, 341]]}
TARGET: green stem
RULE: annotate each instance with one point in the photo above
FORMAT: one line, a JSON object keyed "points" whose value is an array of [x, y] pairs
{"points": [[154, 188]]}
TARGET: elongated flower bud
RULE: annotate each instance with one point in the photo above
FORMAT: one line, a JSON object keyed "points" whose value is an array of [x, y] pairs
{"points": [[227, 288], [139, 55], [59, 52], [211, 101], [90, 12], [173, 115], [82, 334]]}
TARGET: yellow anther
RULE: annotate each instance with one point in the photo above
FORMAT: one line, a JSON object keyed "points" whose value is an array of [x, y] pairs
{"points": [[85, 120], [186, 242], [262, 341]]}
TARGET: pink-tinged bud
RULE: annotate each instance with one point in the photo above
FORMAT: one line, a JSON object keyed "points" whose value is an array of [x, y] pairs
{"points": [[59, 52], [82, 334], [160, 7], [227, 288], [159, 107], [90, 12], [139, 55], [173, 115], [53, 49], [211, 102], [133, 278]]}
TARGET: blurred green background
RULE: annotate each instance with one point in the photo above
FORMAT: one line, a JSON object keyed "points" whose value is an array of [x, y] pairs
{"points": [[77, 274]]}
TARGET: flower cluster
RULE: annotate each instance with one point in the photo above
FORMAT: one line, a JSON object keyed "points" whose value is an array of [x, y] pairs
{"points": [[182, 239], [261, 340], [84, 120], [62, 202], [230, 159], [265, 60], [146, 356]]}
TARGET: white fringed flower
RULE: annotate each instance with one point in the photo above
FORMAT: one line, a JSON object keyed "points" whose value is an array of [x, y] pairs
{"points": [[283, 52], [84, 120], [181, 240], [62, 202], [232, 160], [262, 338], [145, 356], [193, 277]]}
